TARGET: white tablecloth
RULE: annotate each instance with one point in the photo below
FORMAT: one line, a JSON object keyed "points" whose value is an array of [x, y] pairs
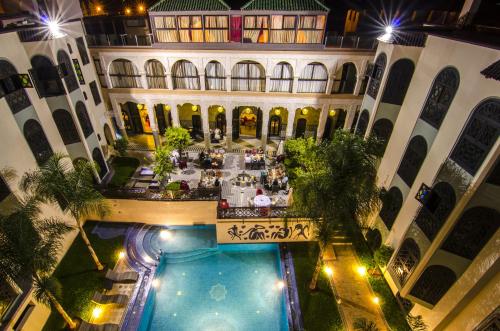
{"points": [[262, 201]]}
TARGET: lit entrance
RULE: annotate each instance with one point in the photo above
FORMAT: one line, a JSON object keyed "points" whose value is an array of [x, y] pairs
{"points": [[247, 122]]}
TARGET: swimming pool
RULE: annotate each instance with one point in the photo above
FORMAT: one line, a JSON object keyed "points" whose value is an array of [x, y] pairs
{"points": [[201, 286]]}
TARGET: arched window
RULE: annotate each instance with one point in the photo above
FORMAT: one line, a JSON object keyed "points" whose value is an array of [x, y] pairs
{"points": [[382, 129], [391, 204], [434, 282], [155, 74], [15, 95], [282, 78], [84, 119], [472, 231], [436, 209], [124, 74], [248, 76], [345, 79], [478, 137], [363, 123], [412, 160], [406, 260], [66, 126], [398, 82], [46, 77], [37, 140], [66, 68], [440, 96], [313, 79], [99, 159], [185, 76], [215, 76], [376, 75]]}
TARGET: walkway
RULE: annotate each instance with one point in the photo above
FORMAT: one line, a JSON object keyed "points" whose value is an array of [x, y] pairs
{"points": [[353, 290]]}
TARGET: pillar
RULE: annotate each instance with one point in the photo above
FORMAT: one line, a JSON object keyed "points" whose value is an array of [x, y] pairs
{"points": [[265, 127], [202, 82], [175, 116], [268, 84], [228, 83], [152, 122], [144, 80], [229, 125], [329, 84], [321, 124], [295, 85], [170, 83], [351, 111], [206, 127], [118, 116], [290, 122]]}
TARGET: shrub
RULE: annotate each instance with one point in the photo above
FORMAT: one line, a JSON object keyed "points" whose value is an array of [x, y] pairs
{"points": [[121, 146], [177, 138], [162, 163], [383, 255]]}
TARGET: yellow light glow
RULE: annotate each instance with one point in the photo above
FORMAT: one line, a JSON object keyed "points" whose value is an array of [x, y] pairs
{"points": [[98, 8], [361, 270], [194, 108], [165, 234], [328, 271], [140, 106], [155, 283], [128, 11], [140, 8], [96, 313], [376, 300], [277, 111], [305, 111], [332, 112], [280, 284], [166, 107], [121, 255], [220, 109], [248, 110]]}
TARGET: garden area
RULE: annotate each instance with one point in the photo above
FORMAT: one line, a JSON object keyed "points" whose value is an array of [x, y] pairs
{"points": [[79, 277], [319, 309], [124, 168]]}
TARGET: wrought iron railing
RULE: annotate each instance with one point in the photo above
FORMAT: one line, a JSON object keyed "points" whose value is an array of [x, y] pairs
{"points": [[197, 194], [253, 212], [119, 40]]}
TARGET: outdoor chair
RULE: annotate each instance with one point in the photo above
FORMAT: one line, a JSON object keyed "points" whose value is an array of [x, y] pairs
{"points": [[103, 299], [122, 277], [86, 326]]}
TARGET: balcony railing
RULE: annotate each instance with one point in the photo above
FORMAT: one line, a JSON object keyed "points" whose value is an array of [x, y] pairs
{"points": [[253, 212], [145, 40], [197, 194]]}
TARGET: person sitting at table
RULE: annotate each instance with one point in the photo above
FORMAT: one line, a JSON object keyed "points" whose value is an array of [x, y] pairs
{"points": [[217, 135], [248, 159], [217, 182], [259, 191], [202, 156]]}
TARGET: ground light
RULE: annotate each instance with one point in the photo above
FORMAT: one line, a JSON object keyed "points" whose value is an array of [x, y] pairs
{"points": [[96, 313], [155, 283], [280, 284], [328, 271], [361, 270], [376, 300], [165, 234], [121, 255]]}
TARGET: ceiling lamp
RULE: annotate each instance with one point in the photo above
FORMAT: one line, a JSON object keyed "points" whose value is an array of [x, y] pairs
{"points": [[194, 108], [220, 109], [332, 112], [305, 111], [277, 111]]}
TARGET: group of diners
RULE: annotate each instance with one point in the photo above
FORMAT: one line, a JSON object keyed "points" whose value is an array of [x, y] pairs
{"points": [[213, 159], [275, 179], [255, 159], [210, 178]]}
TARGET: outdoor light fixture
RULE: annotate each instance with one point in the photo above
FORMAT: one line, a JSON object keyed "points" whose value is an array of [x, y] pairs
{"points": [[121, 255], [328, 271], [96, 313], [387, 36], [304, 111], [155, 283], [165, 234], [361, 270], [376, 300], [194, 108], [332, 112], [141, 8], [54, 28], [280, 284], [220, 109], [140, 106], [166, 107], [127, 11], [248, 110], [277, 111], [98, 9]]}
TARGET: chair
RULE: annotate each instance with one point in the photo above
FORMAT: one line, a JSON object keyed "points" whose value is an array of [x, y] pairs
{"points": [[103, 299], [86, 326], [122, 277]]}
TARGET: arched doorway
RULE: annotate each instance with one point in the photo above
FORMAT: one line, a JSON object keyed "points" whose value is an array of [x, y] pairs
{"points": [[163, 117], [334, 121], [99, 159], [108, 135], [274, 126], [306, 122], [220, 122], [136, 118], [247, 122], [278, 118], [301, 128]]}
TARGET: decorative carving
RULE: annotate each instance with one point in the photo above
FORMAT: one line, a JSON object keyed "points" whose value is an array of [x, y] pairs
{"points": [[377, 74], [406, 260], [266, 232]]}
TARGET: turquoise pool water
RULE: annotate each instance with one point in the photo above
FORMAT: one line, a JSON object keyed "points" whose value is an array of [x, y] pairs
{"points": [[201, 286]]}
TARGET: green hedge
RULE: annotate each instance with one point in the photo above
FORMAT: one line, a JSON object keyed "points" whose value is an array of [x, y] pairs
{"points": [[124, 169]]}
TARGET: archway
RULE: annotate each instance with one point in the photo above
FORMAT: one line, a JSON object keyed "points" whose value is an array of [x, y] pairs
{"points": [[412, 160], [217, 122], [248, 76], [306, 122], [185, 76], [163, 117], [313, 79], [84, 119], [108, 135], [363, 123], [46, 77], [135, 117], [155, 75], [345, 79], [190, 119], [16, 97], [278, 118], [215, 76], [247, 122], [282, 78], [334, 121], [66, 126], [37, 141], [382, 129], [99, 159], [406, 260], [392, 202], [398, 82], [433, 284], [124, 74], [67, 70]]}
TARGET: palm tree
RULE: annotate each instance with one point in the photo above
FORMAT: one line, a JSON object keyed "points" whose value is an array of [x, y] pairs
{"points": [[338, 187], [362, 324], [71, 187], [29, 246]]}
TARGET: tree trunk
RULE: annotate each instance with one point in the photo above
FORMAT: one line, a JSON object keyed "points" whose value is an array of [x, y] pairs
{"points": [[61, 311], [89, 246], [317, 270]]}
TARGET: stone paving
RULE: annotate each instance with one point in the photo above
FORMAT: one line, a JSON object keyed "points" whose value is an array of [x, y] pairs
{"points": [[353, 290]]}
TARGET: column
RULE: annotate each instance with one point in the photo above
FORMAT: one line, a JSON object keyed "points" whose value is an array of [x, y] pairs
{"points": [[118, 116], [228, 83], [290, 120], [152, 122], [357, 87], [170, 83], [322, 122], [268, 84], [175, 116], [202, 82], [265, 127], [329, 85], [144, 81], [295, 85], [351, 111], [204, 121], [229, 125]]}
